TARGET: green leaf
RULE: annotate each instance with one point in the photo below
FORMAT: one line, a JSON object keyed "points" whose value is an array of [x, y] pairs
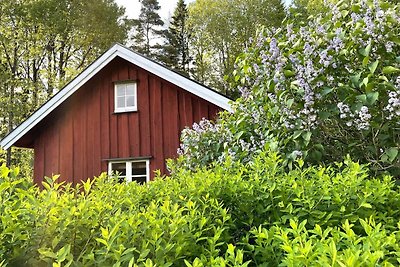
{"points": [[355, 79], [372, 67], [392, 153], [306, 136], [63, 252], [362, 98], [47, 253], [104, 242], [144, 253], [395, 39], [355, 8], [289, 102], [365, 81], [365, 51], [372, 97], [366, 205], [390, 70], [296, 134], [365, 61], [326, 91], [4, 171], [288, 73]]}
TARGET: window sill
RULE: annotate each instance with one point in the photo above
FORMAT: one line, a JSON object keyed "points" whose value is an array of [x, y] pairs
{"points": [[116, 112]]}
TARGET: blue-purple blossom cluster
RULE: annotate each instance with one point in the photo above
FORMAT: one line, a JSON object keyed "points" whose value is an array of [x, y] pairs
{"points": [[312, 54], [359, 119]]}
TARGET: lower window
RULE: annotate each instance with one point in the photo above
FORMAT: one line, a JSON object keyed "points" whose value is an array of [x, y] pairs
{"points": [[128, 171]]}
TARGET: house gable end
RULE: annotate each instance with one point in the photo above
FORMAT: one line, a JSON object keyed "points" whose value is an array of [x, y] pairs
{"points": [[130, 56]]}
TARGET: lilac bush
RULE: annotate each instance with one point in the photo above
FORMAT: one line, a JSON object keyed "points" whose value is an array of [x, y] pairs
{"points": [[318, 90]]}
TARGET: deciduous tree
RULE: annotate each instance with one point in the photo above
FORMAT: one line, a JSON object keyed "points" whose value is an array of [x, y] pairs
{"points": [[221, 31], [44, 43]]}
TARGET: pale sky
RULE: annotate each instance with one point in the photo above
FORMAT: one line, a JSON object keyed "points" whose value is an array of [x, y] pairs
{"points": [[133, 7]]}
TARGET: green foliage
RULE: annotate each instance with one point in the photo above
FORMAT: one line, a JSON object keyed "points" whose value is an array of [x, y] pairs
{"points": [[220, 32], [317, 90], [234, 214]]}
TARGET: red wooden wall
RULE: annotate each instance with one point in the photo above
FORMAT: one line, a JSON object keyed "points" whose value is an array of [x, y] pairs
{"points": [[76, 139]]}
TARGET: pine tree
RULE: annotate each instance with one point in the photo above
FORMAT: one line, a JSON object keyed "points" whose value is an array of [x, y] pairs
{"points": [[146, 27], [175, 52]]}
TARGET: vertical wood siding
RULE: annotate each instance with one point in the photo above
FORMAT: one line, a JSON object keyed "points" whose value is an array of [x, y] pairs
{"points": [[83, 132]]}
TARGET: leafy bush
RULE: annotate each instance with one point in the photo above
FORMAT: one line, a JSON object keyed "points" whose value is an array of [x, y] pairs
{"points": [[319, 91], [233, 214]]}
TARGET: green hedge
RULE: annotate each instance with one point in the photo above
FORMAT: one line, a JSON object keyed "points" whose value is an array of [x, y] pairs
{"points": [[229, 215]]}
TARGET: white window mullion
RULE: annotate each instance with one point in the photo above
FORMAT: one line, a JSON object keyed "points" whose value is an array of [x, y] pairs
{"points": [[110, 170], [147, 171], [128, 171]]}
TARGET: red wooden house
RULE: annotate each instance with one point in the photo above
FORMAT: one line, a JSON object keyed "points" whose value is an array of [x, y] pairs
{"points": [[123, 113]]}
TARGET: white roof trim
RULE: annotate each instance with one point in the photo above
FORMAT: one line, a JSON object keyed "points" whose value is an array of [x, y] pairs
{"points": [[127, 54]]}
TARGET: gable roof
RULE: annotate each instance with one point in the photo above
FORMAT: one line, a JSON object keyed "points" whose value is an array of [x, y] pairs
{"points": [[117, 50]]}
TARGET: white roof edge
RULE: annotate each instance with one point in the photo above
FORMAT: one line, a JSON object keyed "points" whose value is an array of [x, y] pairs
{"points": [[123, 52]]}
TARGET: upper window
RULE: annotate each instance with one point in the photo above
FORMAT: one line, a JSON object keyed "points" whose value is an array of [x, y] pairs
{"points": [[135, 170], [125, 96]]}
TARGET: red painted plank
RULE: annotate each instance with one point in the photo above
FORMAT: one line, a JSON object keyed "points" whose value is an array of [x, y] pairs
{"points": [[66, 149], [203, 109], [196, 109], [157, 128], [188, 110], [133, 119], [123, 135], [79, 139], [51, 150], [123, 70], [39, 159], [105, 114], [170, 121], [143, 122], [133, 72], [90, 130], [113, 119], [96, 114]]}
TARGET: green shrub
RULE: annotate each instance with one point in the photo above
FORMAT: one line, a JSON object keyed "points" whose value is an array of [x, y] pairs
{"points": [[316, 90], [229, 215]]}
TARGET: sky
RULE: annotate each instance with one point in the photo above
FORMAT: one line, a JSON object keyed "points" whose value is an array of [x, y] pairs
{"points": [[133, 7]]}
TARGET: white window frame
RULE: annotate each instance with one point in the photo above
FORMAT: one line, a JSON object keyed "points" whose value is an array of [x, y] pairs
{"points": [[128, 167], [125, 108]]}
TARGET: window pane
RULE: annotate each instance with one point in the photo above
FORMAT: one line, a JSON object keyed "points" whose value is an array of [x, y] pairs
{"points": [[121, 90], [119, 168], [130, 101], [139, 168], [121, 102], [140, 180], [130, 89]]}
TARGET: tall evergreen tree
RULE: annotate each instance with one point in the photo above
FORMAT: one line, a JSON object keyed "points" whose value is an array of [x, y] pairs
{"points": [[175, 52], [147, 27]]}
